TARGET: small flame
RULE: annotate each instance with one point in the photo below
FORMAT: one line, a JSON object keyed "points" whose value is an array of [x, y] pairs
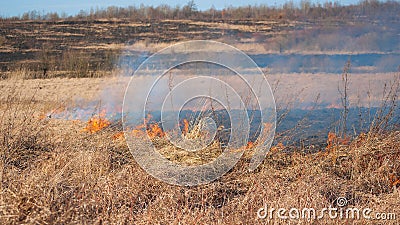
{"points": [[42, 116], [97, 123], [334, 139], [394, 180], [153, 130], [250, 145], [278, 147], [185, 126], [331, 140]]}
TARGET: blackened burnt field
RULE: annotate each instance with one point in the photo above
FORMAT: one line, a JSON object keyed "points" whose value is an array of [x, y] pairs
{"points": [[25, 42]]}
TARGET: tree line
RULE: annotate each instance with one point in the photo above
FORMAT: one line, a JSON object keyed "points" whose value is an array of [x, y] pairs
{"points": [[305, 10]]}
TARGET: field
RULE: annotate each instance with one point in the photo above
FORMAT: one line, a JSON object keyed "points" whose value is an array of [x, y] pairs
{"points": [[65, 160]]}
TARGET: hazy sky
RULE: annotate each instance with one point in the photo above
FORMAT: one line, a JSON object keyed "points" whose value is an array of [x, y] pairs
{"points": [[17, 7]]}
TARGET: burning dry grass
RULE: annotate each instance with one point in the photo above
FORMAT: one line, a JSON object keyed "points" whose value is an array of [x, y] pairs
{"points": [[53, 172], [97, 123], [88, 178]]}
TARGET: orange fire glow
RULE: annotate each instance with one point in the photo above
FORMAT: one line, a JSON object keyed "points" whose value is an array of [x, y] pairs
{"points": [[153, 130], [185, 126], [394, 180], [278, 147], [42, 116], [331, 140], [250, 145], [334, 139], [96, 124]]}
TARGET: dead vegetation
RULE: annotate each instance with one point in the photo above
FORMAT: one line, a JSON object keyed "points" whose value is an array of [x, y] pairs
{"points": [[56, 172]]}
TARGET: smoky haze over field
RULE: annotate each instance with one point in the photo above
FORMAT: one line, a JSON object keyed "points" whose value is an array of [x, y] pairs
{"points": [[302, 49]]}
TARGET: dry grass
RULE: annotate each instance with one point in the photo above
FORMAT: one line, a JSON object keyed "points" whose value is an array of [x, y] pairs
{"points": [[52, 172], [92, 179]]}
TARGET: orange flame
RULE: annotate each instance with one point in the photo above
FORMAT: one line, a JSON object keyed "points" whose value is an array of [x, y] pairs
{"points": [[279, 147], [394, 180], [334, 139], [250, 145], [42, 116], [153, 130], [138, 131], [96, 124], [185, 126], [331, 140]]}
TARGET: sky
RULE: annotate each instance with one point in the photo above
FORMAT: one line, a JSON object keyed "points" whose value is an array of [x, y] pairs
{"points": [[72, 7]]}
